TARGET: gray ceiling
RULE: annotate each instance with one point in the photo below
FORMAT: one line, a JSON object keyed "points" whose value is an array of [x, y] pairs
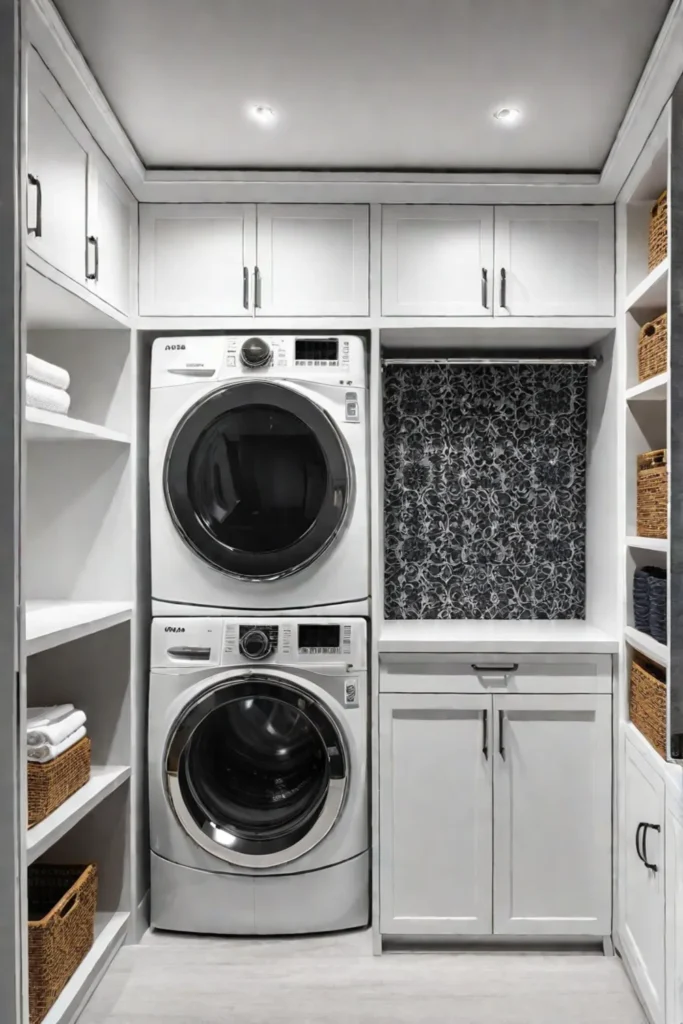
{"points": [[368, 83]]}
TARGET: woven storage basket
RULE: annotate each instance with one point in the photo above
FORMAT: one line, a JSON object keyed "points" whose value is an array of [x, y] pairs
{"points": [[61, 929], [652, 354], [49, 785], [652, 494], [647, 702], [657, 245]]}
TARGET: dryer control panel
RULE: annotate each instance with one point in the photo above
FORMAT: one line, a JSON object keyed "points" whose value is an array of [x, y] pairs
{"points": [[329, 359], [321, 644]]}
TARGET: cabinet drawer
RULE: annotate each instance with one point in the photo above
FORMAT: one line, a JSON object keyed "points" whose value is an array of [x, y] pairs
{"points": [[495, 673]]}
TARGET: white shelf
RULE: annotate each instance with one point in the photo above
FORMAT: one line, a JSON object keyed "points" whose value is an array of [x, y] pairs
{"points": [[648, 646], [648, 543], [50, 623], [523, 636], [651, 294], [110, 931], [103, 781], [42, 425], [652, 390]]}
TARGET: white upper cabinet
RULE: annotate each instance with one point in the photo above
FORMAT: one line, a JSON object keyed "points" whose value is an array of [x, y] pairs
{"points": [[111, 212], [642, 879], [196, 259], [437, 260], [554, 261], [57, 169], [552, 815], [312, 260], [435, 814]]}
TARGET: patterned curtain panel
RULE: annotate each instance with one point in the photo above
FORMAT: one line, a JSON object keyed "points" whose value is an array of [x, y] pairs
{"points": [[485, 492]]}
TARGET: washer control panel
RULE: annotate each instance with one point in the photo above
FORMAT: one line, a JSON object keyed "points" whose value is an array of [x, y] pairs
{"points": [[321, 643]]}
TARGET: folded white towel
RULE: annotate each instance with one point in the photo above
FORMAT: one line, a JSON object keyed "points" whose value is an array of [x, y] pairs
{"points": [[37, 717], [44, 396], [49, 751], [47, 373], [54, 733]]}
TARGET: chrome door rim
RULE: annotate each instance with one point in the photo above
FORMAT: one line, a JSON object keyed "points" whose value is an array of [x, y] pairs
{"points": [[218, 841]]}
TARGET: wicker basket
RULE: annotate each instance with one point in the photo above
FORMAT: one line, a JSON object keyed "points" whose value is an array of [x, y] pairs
{"points": [[657, 244], [652, 354], [49, 785], [61, 929], [652, 494], [647, 702]]}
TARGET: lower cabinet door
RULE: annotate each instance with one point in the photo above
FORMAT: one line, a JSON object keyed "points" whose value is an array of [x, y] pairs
{"points": [[674, 908], [435, 814], [552, 784], [642, 879]]}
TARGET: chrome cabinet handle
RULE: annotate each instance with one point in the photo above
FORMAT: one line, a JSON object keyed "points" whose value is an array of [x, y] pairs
{"points": [[501, 744], [496, 670], [503, 288], [257, 288], [92, 240], [645, 826], [245, 287], [484, 287], [485, 745], [38, 229]]}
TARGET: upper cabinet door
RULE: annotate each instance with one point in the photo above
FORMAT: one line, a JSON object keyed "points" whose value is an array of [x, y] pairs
{"points": [[312, 260], [57, 169], [437, 260], [552, 785], [435, 814], [196, 259], [554, 261], [111, 212]]}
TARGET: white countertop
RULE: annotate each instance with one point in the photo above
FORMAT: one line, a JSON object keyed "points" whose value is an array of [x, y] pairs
{"points": [[524, 636]]}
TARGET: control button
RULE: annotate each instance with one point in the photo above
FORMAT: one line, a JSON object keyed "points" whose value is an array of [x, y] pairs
{"points": [[350, 692], [352, 407], [256, 644], [230, 361], [255, 352]]}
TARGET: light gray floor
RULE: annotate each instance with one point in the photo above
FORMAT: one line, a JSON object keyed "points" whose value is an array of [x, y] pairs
{"points": [[175, 979]]}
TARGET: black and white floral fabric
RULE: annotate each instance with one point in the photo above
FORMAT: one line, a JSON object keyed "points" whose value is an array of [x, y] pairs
{"points": [[485, 492]]}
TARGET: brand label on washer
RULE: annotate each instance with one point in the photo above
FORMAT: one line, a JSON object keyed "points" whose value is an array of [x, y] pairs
{"points": [[351, 692], [352, 407]]}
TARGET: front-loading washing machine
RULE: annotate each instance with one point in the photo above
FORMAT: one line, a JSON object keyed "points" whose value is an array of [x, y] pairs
{"points": [[258, 775], [258, 475]]}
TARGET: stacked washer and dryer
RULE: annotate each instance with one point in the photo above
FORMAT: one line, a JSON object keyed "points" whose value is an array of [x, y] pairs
{"points": [[258, 706]]}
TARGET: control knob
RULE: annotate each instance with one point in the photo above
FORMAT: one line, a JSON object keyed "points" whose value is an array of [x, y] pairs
{"points": [[255, 352], [256, 645]]}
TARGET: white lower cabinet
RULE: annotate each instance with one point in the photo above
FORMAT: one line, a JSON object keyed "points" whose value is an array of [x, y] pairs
{"points": [[435, 814], [552, 814], [674, 908], [495, 814], [642, 895]]}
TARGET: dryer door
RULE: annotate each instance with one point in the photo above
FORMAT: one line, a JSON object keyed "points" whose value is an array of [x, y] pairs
{"points": [[257, 480], [256, 771]]}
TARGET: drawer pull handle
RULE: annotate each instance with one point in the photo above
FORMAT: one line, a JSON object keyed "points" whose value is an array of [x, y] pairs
{"points": [[501, 742], [496, 670], [38, 229], [645, 826], [485, 746]]}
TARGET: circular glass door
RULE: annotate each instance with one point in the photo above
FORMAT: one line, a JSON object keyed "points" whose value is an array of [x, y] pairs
{"points": [[257, 480], [256, 771]]}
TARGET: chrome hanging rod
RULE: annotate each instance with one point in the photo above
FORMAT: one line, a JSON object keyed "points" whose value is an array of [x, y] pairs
{"points": [[483, 361]]}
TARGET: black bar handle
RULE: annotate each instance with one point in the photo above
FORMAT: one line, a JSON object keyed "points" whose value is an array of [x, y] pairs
{"points": [[503, 288], [485, 746], [257, 288], [655, 828], [484, 287], [92, 240], [245, 287], [38, 229], [640, 856], [495, 669], [501, 744]]}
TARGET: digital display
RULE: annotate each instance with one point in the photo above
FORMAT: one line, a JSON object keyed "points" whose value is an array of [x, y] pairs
{"points": [[314, 636], [316, 349]]}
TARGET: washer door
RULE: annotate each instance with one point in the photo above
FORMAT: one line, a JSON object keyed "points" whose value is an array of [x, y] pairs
{"points": [[257, 480], [256, 771]]}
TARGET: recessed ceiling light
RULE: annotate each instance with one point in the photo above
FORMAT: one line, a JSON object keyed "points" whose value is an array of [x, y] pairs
{"points": [[507, 115], [263, 114]]}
